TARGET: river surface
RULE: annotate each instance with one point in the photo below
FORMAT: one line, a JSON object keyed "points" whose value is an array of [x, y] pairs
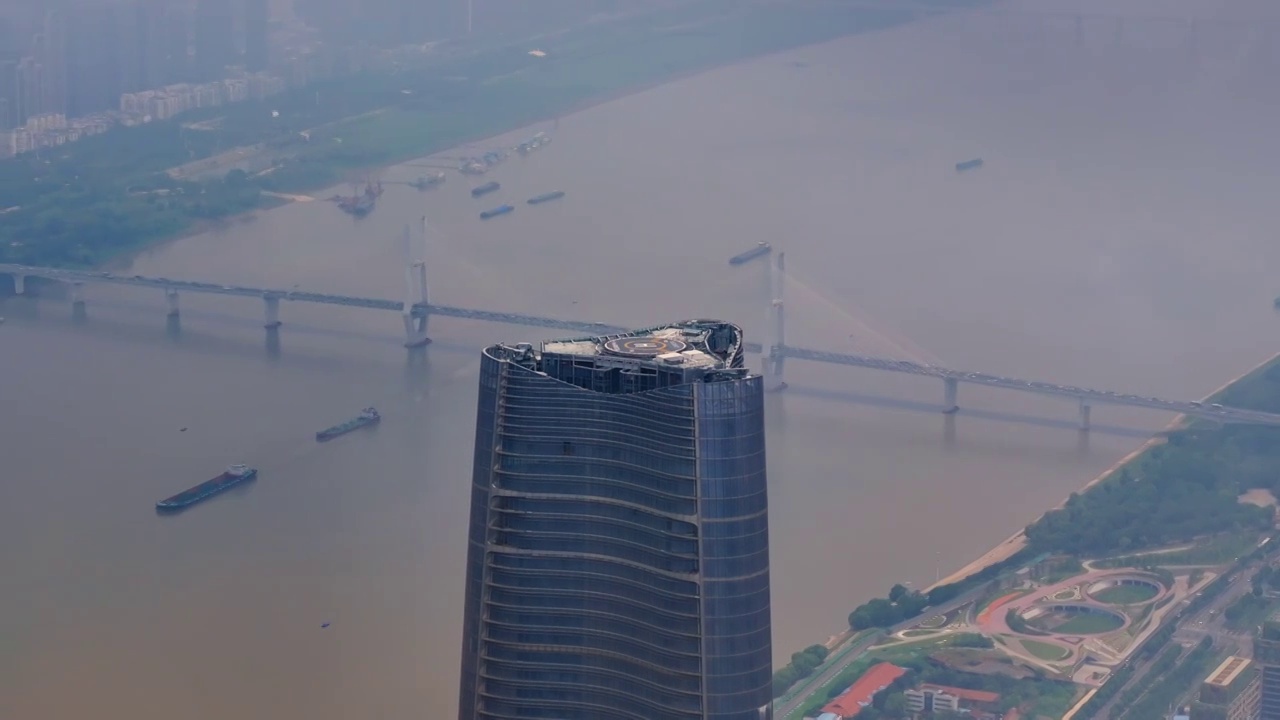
{"points": [[1121, 235]]}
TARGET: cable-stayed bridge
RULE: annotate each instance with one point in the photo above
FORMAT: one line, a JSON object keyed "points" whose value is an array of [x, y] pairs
{"points": [[416, 310]]}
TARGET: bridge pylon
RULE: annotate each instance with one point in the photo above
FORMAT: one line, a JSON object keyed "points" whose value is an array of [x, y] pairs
{"points": [[774, 360], [415, 288]]}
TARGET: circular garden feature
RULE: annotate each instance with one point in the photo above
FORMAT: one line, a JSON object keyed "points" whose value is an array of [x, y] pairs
{"points": [[1064, 619], [1124, 591]]}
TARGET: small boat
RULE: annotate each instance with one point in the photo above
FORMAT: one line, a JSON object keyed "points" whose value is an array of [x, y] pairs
{"points": [[500, 210]]}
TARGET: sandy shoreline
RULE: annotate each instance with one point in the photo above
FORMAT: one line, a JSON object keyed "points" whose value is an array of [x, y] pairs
{"points": [[1018, 541]]}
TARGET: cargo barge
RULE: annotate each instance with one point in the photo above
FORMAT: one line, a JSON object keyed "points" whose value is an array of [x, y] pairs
{"points": [[427, 181], [368, 416], [546, 197], [762, 248], [232, 476], [485, 189], [500, 210], [973, 164]]}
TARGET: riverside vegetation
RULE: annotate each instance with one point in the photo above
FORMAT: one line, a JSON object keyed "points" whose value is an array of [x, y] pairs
{"points": [[1181, 490], [81, 204]]}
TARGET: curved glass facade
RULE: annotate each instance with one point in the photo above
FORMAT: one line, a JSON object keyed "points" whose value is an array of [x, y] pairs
{"points": [[618, 563]]}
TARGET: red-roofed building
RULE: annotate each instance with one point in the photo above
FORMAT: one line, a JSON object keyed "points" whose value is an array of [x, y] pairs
{"points": [[849, 703]]}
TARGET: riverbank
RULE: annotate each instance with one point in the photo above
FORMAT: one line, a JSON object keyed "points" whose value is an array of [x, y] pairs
{"points": [[385, 119], [1017, 542]]}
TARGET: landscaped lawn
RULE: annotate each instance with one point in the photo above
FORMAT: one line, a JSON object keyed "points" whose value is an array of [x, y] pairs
{"points": [[1125, 594], [1044, 650], [1088, 623]]}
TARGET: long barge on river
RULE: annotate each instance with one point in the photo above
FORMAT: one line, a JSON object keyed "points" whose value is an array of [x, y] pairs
{"points": [[761, 248], [232, 476], [368, 416]]}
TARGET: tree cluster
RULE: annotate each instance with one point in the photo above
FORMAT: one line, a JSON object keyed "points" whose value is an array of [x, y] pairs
{"points": [[801, 666], [901, 604], [1185, 488]]}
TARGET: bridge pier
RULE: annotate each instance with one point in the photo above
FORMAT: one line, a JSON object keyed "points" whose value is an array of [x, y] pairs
{"points": [[171, 298], [773, 363], [272, 304], [415, 330], [1084, 415], [19, 284], [273, 342], [950, 388], [78, 313]]}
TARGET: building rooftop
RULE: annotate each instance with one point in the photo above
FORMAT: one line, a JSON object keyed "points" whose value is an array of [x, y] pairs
{"points": [[851, 701], [977, 696], [1228, 671], [641, 360]]}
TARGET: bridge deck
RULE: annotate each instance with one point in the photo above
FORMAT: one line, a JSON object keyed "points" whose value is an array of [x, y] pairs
{"points": [[1085, 395]]}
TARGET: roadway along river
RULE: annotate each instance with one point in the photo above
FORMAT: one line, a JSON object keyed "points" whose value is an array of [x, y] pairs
{"points": [[1119, 236]]}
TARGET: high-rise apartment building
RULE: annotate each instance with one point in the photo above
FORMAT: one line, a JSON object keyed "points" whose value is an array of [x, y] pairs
{"points": [[214, 38], [1231, 692], [255, 35], [1266, 653], [618, 564], [8, 94], [147, 55], [94, 59]]}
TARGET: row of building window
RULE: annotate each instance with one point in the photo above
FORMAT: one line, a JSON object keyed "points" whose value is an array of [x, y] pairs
{"points": [[576, 509], [599, 547], [661, 606], [614, 532], [660, 473], [551, 695], [568, 640], [591, 568], [679, 636], [527, 660], [604, 489], [663, 692]]}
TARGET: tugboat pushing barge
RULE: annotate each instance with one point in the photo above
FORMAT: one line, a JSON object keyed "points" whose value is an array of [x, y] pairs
{"points": [[368, 416], [232, 476]]}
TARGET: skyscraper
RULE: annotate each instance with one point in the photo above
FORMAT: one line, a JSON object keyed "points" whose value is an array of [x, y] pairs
{"points": [[255, 35], [147, 55], [95, 73], [618, 564], [1266, 653], [215, 41], [53, 56]]}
